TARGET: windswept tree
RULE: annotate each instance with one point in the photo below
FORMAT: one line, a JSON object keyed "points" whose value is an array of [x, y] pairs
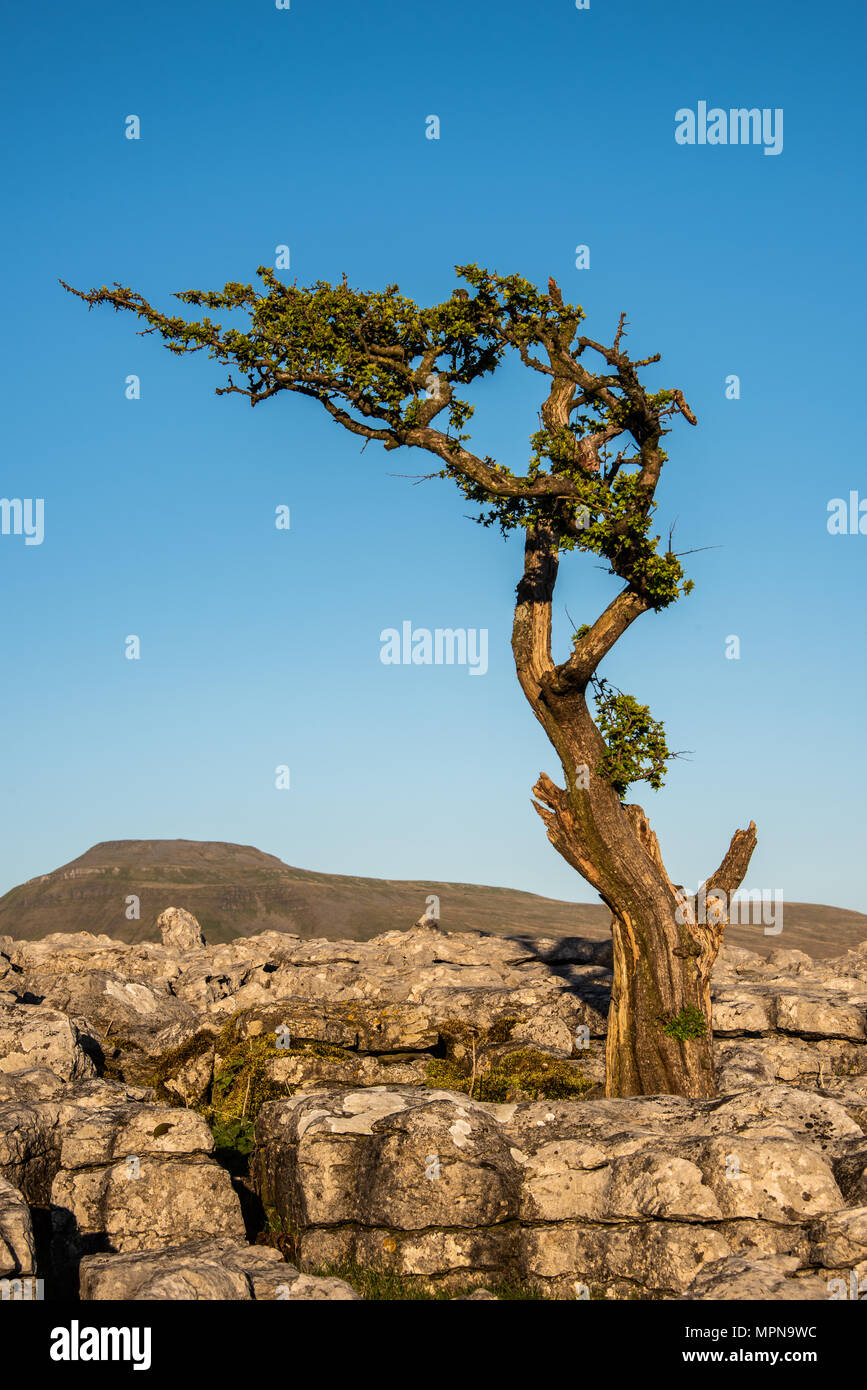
{"points": [[388, 370]]}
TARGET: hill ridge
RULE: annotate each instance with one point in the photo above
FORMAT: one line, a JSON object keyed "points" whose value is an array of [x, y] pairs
{"points": [[238, 890]]}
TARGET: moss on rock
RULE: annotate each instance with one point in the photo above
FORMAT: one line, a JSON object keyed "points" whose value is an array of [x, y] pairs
{"points": [[525, 1074]]}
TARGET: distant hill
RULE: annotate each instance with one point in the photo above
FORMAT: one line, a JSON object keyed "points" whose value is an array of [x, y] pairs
{"points": [[236, 890]]}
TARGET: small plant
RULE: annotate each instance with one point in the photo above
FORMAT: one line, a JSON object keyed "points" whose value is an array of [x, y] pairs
{"points": [[242, 1084], [689, 1024], [233, 1144]]}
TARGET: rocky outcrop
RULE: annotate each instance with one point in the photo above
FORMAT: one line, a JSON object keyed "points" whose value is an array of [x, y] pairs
{"points": [[639, 1194], [136, 1177], [179, 929], [42, 1037], [425, 1106], [205, 1269], [17, 1253]]}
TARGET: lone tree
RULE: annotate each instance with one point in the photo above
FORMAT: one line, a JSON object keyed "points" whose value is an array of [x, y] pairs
{"points": [[388, 370]]}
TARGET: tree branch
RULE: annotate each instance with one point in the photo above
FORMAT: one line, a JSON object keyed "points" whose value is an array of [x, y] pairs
{"points": [[732, 871], [608, 628]]}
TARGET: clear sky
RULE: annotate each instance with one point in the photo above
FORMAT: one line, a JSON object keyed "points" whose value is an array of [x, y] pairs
{"points": [[306, 127]]}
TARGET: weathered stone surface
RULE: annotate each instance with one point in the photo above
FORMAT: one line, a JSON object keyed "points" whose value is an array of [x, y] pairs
{"points": [[309, 1288], [665, 1182], [308, 1072], [109, 1208], [402, 1158], [17, 1254], [783, 1111], [739, 1066], [205, 1269], [112, 1132], [68, 953], [546, 1017], [179, 929], [740, 1011], [359, 1025], [778, 1180], [840, 1239], [744, 1062], [570, 1180], [137, 1177], [31, 1128], [769, 1278], [31, 1036], [437, 1256], [661, 1258], [623, 1126], [816, 1016], [110, 1006], [29, 1152], [782, 959]]}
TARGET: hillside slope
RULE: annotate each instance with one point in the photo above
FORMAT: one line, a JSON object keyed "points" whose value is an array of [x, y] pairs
{"points": [[237, 890]]}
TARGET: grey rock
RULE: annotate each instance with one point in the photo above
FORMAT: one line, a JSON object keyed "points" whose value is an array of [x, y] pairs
{"points": [[138, 1177], [179, 929], [17, 1253], [114, 1007], [219, 1269], [840, 1239], [657, 1257], [32, 1036], [309, 1288], [771, 1277], [403, 1158]]}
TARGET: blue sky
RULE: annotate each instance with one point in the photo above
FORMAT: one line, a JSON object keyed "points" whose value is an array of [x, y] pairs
{"points": [[262, 127]]}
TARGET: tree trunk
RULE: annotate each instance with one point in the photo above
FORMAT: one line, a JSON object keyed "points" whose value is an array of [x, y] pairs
{"points": [[660, 1038], [659, 1025]]}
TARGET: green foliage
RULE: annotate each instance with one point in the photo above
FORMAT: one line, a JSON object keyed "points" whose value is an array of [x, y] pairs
{"points": [[326, 1050], [464, 1039], [688, 1025], [233, 1143], [395, 372], [240, 1088], [637, 749]]}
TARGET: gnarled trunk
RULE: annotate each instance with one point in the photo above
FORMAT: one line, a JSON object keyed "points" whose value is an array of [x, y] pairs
{"points": [[647, 1050], [660, 1036], [659, 1027]]}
